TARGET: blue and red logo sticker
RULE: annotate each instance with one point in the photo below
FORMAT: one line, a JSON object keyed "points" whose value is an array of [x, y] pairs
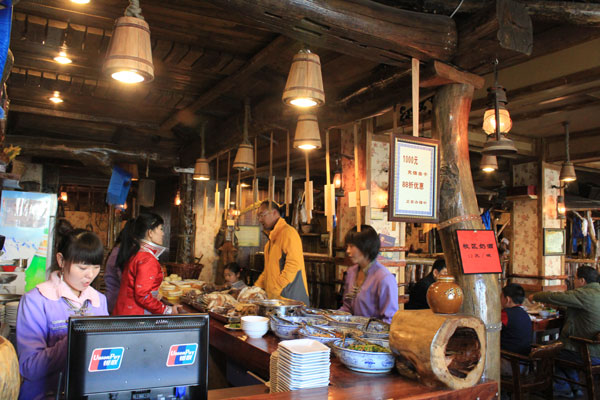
{"points": [[182, 354], [106, 359]]}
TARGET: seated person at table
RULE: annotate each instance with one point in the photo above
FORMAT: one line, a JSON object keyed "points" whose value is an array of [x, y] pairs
{"points": [[582, 320], [517, 329], [417, 299], [370, 289], [43, 316], [232, 274]]}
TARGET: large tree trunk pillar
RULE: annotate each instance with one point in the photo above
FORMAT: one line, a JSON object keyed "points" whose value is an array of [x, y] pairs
{"points": [[451, 107]]}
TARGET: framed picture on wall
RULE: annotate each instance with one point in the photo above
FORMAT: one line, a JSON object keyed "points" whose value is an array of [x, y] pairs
{"points": [[554, 242], [422, 236], [413, 190]]}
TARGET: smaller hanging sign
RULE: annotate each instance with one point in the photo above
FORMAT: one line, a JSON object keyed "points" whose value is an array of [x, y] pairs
{"points": [[478, 251], [413, 189]]}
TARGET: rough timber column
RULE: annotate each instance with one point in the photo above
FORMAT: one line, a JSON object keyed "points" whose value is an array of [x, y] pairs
{"points": [[451, 106]]}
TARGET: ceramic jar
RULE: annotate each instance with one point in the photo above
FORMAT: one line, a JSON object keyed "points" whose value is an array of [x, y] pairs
{"points": [[444, 295]]}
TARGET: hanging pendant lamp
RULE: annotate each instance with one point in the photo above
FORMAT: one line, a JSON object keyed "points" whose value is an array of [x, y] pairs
{"points": [[304, 86], [244, 158], [307, 135], [488, 163], [202, 169], [500, 145], [129, 55], [567, 171]]}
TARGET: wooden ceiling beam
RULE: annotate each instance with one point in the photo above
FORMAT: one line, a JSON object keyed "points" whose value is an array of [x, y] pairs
{"points": [[359, 28], [96, 154], [566, 12], [81, 116], [177, 25], [245, 72]]}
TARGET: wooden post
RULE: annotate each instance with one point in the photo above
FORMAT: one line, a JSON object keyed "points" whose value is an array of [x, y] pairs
{"points": [[307, 192], [356, 180], [186, 221], [451, 106], [217, 194]]}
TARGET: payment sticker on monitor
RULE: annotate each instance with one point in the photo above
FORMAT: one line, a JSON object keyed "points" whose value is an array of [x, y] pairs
{"points": [[182, 354], [106, 359]]}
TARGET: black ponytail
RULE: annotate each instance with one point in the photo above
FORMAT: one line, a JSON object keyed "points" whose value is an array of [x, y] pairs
{"points": [[134, 231]]}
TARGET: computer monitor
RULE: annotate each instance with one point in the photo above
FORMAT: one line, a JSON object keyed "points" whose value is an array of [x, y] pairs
{"points": [[137, 357]]}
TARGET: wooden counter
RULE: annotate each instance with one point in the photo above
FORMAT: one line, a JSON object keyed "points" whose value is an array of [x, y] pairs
{"points": [[254, 354]]}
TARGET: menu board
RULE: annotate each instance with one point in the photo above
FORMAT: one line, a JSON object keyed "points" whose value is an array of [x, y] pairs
{"points": [[478, 252]]}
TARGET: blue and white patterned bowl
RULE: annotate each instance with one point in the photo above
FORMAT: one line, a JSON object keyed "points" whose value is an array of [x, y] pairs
{"points": [[349, 321], [377, 330], [363, 361], [290, 331]]}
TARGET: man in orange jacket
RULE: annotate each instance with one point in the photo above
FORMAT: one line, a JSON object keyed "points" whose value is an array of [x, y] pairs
{"points": [[284, 275]]}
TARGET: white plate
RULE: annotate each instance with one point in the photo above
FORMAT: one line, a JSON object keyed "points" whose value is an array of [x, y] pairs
{"points": [[303, 346]]}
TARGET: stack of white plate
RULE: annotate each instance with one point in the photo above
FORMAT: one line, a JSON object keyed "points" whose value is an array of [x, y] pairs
{"points": [[302, 364], [2, 308], [273, 388], [10, 313]]}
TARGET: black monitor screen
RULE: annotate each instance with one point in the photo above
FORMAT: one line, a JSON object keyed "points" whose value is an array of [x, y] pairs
{"points": [[136, 353]]}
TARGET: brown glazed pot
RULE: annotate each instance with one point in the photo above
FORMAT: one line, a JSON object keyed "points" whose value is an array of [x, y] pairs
{"points": [[444, 295]]}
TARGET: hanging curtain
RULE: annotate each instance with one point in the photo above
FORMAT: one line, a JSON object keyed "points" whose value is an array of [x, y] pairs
{"points": [[577, 233], [486, 218]]}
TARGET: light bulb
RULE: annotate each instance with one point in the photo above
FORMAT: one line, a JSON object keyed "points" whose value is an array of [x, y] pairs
{"points": [[303, 102], [56, 98], [62, 58], [80, 1], [489, 121], [307, 147], [128, 77]]}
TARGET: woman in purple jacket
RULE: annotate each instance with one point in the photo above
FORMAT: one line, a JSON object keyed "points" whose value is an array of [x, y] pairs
{"points": [[370, 289], [44, 312]]}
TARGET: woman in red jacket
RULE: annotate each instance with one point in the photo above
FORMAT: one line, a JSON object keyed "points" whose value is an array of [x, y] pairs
{"points": [[141, 245]]}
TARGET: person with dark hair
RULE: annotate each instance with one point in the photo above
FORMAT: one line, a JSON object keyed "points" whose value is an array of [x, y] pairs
{"points": [[284, 275], [232, 274], [112, 274], [582, 320], [141, 245], [43, 315], [370, 289], [517, 328], [417, 299]]}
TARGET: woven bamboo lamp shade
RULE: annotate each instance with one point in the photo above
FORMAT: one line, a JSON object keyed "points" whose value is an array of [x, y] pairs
{"points": [[488, 163], [129, 55], [201, 170], [307, 135], [304, 86], [244, 158]]}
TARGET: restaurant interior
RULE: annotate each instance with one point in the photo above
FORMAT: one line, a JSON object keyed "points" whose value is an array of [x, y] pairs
{"points": [[189, 110]]}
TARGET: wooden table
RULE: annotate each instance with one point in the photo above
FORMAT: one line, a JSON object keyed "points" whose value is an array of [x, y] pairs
{"points": [[254, 354]]}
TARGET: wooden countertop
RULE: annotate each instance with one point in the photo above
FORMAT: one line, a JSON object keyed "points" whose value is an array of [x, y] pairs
{"points": [[254, 354]]}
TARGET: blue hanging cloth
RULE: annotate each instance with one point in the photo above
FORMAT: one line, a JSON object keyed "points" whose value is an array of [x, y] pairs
{"points": [[5, 26], [576, 233], [486, 218]]}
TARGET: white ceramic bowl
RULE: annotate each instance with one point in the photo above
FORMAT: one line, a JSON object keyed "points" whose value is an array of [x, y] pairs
{"points": [[255, 333], [254, 326]]}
